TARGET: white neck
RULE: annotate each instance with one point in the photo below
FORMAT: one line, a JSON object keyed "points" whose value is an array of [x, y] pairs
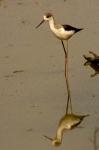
{"points": [[52, 23], [59, 134]]}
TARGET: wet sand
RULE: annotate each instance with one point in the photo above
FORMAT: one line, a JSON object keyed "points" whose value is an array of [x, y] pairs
{"points": [[32, 83]]}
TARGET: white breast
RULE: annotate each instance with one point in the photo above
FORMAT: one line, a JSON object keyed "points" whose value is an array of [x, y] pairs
{"points": [[61, 33]]}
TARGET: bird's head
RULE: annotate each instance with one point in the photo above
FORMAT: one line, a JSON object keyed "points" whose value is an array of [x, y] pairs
{"points": [[56, 142], [46, 17]]}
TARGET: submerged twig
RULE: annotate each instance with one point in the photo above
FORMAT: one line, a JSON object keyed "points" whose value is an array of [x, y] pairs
{"points": [[18, 71], [94, 140]]}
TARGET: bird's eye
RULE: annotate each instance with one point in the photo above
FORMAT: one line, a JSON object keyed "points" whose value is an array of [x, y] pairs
{"points": [[48, 15]]}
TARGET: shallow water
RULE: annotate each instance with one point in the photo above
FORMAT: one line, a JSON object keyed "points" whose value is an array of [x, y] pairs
{"points": [[33, 99]]}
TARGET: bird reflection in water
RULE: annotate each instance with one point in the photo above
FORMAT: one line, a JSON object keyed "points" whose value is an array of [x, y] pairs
{"points": [[93, 62], [67, 122]]}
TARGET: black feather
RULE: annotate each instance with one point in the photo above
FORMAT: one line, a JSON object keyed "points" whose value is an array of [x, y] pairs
{"points": [[71, 28]]}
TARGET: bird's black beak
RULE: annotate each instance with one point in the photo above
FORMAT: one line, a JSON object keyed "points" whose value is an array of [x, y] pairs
{"points": [[40, 23], [48, 138]]}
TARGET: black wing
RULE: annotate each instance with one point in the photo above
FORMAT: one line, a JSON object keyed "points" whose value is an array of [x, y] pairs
{"points": [[71, 28]]}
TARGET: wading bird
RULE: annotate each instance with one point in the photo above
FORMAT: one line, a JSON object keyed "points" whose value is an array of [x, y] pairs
{"points": [[62, 32]]}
